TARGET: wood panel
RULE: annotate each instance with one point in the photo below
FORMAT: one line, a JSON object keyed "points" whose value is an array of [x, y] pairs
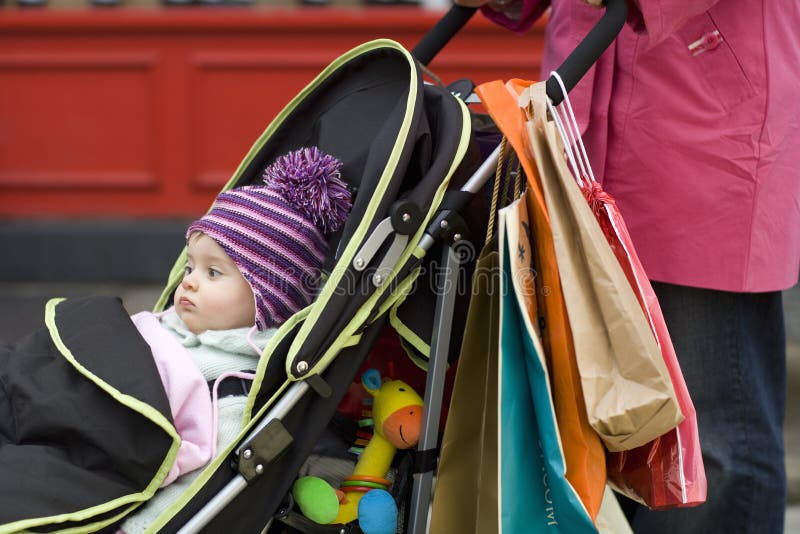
{"points": [[74, 120], [147, 112]]}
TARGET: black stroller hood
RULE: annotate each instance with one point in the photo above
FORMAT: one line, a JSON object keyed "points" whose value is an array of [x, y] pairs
{"points": [[400, 142], [415, 159], [427, 166]]}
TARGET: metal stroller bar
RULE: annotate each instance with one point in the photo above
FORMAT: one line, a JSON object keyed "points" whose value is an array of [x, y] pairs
{"points": [[473, 185], [434, 388]]}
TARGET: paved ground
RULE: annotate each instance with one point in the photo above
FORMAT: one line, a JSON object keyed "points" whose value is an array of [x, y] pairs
{"points": [[22, 304], [792, 519]]}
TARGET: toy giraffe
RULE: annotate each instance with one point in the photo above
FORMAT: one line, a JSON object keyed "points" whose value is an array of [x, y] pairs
{"points": [[397, 415]]}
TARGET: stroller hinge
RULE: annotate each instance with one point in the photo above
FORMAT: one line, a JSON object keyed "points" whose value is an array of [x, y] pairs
{"points": [[373, 244], [403, 220], [320, 387], [406, 216], [448, 226], [370, 247], [266, 446]]}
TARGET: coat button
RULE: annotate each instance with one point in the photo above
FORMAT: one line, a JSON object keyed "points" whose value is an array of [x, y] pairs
{"points": [[708, 41]]}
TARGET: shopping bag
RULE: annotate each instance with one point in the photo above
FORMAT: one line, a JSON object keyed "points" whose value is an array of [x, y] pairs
{"points": [[465, 497], [611, 519], [535, 496], [583, 452], [668, 471], [626, 384], [525, 398]]}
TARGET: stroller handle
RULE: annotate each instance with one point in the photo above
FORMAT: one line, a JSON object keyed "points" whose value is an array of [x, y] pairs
{"points": [[589, 49], [571, 70], [444, 30]]}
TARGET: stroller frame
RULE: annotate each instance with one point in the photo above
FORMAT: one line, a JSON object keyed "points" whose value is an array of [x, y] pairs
{"points": [[440, 345]]}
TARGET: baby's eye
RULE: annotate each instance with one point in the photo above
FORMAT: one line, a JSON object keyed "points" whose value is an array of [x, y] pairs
{"points": [[213, 273], [187, 271]]}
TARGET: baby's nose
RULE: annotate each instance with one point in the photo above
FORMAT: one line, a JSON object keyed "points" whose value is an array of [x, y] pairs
{"points": [[188, 282]]}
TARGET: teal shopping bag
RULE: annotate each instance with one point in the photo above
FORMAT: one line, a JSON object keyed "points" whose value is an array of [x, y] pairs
{"points": [[535, 496]]}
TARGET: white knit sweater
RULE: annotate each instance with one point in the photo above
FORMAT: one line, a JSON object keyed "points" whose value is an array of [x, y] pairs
{"points": [[215, 352]]}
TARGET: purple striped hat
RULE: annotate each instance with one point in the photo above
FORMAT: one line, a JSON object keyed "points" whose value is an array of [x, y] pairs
{"points": [[276, 233]]}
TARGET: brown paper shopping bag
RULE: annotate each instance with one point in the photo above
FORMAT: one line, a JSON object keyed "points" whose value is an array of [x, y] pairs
{"points": [[465, 496], [626, 384]]}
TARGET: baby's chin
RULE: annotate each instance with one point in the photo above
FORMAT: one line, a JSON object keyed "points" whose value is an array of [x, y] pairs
{"points": [[191, 321], [196, 325]]}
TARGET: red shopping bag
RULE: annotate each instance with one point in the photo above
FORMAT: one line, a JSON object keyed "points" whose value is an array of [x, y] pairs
{"points": [[668, 472]]}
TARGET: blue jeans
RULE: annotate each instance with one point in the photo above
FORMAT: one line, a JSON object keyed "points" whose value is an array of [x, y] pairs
{"points": [[732, 351]]}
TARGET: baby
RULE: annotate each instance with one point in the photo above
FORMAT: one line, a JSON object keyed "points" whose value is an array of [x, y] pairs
{"points": [[253, 261]]}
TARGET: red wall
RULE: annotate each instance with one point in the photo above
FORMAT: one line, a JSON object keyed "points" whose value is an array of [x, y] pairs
{"points": [[146, 113]]}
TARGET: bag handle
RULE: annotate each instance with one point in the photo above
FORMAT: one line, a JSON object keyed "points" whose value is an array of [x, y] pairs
{"points": [[498, 175], [503, 173]]}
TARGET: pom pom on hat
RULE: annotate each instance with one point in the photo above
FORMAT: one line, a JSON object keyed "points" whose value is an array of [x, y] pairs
{"points": [[311, 180], [275, 233]]}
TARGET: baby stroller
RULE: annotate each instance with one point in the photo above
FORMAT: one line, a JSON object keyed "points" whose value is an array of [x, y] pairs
{"points": [[313, 399], [402, 143], [410, 154]]}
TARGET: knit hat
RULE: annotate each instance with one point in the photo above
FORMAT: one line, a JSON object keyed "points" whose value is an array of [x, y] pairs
{"points": [[276, 233]]}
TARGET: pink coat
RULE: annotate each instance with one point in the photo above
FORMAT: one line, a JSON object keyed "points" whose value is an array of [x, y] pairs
{"points": [[187, 391], [692, 122]]}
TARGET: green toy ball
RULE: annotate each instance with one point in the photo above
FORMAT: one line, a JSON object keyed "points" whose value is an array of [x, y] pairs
{"points": [[316, 499]]}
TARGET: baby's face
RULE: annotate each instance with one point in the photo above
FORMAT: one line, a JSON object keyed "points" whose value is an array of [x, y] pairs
{"points": [[213, 294]]}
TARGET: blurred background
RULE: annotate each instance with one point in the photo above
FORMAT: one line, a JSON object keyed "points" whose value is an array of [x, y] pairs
{"points": [[121, 119]]}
